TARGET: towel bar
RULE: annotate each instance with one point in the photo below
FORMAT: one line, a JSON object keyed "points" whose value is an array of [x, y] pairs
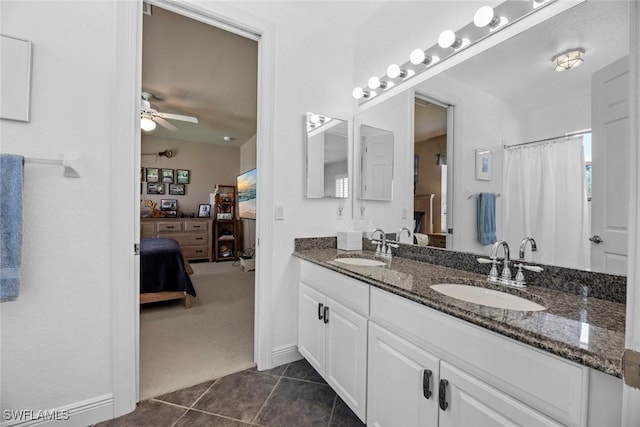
{"points": [[71, 164]]}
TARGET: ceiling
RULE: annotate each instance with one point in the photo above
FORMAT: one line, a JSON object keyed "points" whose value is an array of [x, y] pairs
{"points": [[520, 72], [199, 70]]}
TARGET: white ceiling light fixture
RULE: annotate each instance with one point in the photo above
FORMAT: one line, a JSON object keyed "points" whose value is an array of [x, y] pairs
{"points": [[486, 17], [568, 60], [147, 125]]}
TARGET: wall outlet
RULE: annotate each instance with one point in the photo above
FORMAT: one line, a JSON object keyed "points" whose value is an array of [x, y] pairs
{"points": [[362, 211], [340, 212], [404, 213]]}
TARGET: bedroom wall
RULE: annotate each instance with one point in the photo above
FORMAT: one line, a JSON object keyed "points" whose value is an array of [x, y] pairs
{"points": [[209, 164]]}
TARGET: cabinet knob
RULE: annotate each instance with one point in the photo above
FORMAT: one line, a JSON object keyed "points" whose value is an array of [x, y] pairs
{"points": [[442, 394], [320, 312], [426, 383]]}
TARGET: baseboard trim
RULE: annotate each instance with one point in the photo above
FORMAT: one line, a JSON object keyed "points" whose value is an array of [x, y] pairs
{"points": [[285, 354], [81, 414]]}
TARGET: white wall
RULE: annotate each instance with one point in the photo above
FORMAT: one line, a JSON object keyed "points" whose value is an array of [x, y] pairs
{"points": [[56, 338], [208, 165]]}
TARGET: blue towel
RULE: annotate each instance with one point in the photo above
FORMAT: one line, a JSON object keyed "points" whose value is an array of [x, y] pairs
{"points": [[10, 225], [486, 218]]}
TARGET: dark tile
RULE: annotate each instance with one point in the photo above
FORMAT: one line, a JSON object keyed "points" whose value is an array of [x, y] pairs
{"points": [[200, 419], [148, 413], [343, 416], [302, 370], [238, 396], [297, 403], [186, 396], [278, 370]]}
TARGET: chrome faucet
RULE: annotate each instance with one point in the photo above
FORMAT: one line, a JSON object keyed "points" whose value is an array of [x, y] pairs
{"points": [[382, 244], [506, 271], [523, 246]]}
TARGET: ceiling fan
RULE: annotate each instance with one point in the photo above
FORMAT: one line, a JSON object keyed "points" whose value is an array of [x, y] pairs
{"points": [[149, 116]]}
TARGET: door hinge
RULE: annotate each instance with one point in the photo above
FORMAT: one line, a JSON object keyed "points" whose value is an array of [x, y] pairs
{"points": [[136, 248]]}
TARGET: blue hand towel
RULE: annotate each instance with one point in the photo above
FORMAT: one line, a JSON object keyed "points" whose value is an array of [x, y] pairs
{"points": [[11, 167], [486, 218]]}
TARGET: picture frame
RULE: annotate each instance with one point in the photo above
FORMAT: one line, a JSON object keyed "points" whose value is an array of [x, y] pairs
{"points": [[177, 189], [155, 188], [167, 175], [168, 204], [152, 175], [204, 211], [182, 176], [483, 164], [170, 214]]}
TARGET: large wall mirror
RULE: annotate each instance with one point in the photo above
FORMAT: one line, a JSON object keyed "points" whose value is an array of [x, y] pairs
{"points": [[327, 157], [569, 193]]}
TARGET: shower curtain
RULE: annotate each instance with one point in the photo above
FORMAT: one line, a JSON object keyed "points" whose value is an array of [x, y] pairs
{"points": [[545, 197]]}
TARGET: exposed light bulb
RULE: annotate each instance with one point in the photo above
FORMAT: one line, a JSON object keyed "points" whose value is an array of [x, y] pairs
{"points": [[447, 39], [394, 71], [375, 83], [417, 56], [484, 16], [314, 119], [147, 124], [359, 93]]}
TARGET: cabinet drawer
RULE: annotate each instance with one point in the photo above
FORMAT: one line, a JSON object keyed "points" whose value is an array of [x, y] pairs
{"points": [[551, 385], [187, 239], [195, 251], [196, 225], [169, 226], [346, 291]]}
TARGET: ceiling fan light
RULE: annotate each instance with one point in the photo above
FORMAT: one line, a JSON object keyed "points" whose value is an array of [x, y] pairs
{"points": [[147, 124]]}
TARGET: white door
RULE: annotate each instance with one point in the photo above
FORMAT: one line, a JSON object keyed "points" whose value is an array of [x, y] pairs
{"points": [[403, 382], [610, 188], [311, 327], [377, 167], [467, 401], [346, 356]]}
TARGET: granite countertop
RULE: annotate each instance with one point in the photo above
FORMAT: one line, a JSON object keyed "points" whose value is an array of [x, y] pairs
{"points": [[586, 330]]}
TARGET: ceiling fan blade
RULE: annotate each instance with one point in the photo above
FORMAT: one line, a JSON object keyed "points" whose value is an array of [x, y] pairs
{"points": [[162, 122], [177, 117]]}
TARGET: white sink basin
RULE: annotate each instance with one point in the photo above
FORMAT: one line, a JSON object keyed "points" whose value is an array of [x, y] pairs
{"points": [[488, 297], [362, 262]]}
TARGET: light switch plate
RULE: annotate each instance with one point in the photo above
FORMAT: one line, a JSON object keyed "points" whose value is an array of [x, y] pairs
{"points": [[279, 213]]}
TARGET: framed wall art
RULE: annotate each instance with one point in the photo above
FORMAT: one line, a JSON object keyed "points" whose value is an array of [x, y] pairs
{"points": [[182, 176], [155, 188], [483, 164]]}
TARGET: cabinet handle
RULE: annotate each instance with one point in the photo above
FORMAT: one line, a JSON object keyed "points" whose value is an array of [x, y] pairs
{"points": [[442, 394], [326, 315], [320, 312], [170, 226], [199, 238], [426, 383]]}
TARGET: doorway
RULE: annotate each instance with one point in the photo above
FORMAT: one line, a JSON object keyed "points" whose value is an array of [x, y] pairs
{"points": [[193, 70]]}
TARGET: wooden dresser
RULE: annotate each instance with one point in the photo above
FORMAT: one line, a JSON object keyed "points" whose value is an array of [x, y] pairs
{"points": [[193, 234]]}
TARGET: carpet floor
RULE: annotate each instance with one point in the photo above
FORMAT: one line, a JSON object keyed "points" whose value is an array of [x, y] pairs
{"points": [[182, 347]]}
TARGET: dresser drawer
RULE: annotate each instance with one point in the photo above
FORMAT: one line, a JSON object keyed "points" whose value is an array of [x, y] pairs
{"points": [[168, 226], [195, 225], [200, 251], [188, 239]]}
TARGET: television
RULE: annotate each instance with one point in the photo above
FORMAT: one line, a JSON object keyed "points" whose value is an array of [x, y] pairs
{"points": [[246, 183]]}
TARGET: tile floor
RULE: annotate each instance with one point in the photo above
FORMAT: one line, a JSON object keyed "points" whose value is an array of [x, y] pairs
{"points": [[288, 395]]}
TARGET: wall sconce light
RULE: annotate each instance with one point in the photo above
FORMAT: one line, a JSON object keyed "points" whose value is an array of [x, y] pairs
{"points": [[418, 56], [147, 124], [375, 83], [568, 60], [486, 17], [359, 93]]}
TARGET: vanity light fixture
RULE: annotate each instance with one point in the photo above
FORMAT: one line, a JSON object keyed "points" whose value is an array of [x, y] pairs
{"points": [[359, 93], [538, 3], [147, 124], [448, 38], [486, 17], [375, 83], [568, 60], [418, 56], [394, 71]]}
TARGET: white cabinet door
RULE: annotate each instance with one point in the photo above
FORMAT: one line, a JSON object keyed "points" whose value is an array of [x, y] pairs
{"points": [[346, 355], [311, 327], [402, 382], [467, 401]]}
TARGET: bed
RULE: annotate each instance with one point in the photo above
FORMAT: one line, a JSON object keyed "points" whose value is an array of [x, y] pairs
{"points": [[164, 273]]}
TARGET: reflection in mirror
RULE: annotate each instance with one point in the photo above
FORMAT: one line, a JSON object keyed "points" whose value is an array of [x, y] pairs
{"points": [[327, 157], [377, 163], [511, 95]]}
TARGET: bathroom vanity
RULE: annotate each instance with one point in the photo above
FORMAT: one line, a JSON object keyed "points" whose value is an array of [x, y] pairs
{"points": [[400, 353]]}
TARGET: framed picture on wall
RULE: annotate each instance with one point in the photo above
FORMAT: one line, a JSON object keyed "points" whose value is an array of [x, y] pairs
{"points": [[167, 175], [153, 175], [168, 204], [483, 164], [204, 211], [177, 189], [182, 176], [155, 188]]}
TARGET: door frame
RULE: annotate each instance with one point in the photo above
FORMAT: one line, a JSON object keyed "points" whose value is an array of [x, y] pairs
{"points": [[125, 164]]}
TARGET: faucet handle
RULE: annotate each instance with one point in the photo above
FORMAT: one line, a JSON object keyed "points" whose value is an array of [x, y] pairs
{"points": [[493, 274], [485, 261], [533, 268]]}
